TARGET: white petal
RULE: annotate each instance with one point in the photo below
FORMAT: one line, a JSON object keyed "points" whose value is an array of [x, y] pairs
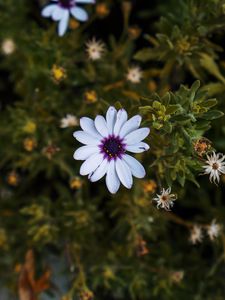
{"points": [[138, 148], [221, 159], [207, 169], [99, 172], [130, 125], [112, 180], [101, 126], [63, 23], [222, 169], [124, 173], [91, 164], [120, 120], [79, 13], [136, 136], [48, 10], [84, 152], [111, 118], [88, 125], [137, 169], [85, 138], [85, 1], [217, 177], [57, 13]]}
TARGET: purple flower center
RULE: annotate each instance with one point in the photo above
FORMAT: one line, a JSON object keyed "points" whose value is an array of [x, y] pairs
{"points": [[112, 147], [66, 3]]}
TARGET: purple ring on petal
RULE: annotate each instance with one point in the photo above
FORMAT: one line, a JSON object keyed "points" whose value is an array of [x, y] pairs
{"points": [[112, 147]]}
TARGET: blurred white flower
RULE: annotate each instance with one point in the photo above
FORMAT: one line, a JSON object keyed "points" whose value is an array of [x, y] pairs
{"points": [[134, 75], [61, 10], [165, 199], [106, 142], [196, 235], [69, 121], [95, 49], [215, 166], [213, 230], [150, 219], [177, 276], [8, 46]]}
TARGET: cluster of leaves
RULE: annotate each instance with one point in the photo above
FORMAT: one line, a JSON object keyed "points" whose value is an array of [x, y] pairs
{"points": [[184, 40], [178, 120]]}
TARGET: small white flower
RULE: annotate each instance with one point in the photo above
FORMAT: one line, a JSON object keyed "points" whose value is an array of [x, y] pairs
{"points": [[213, 230], [196, 235], [134, 75], [106, 142], [150, 219], [95, 49], [165, 199], [61, 10], [69, 121], [8, 46], [215, 166], [177, 276]]}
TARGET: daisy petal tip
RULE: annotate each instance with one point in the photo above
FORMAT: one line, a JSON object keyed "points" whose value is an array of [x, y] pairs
{"points": [[112, 192], [61, 34], [74, 156], [90, 176], [142, 175], [147, 147], [111, 109], [75, 134], [83, 171], [139, 118], [82, 119]]}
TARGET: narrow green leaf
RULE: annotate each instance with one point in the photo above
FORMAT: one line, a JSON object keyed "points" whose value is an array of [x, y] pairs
{"points": [[211, 66], [146, 54], [212, 114]]}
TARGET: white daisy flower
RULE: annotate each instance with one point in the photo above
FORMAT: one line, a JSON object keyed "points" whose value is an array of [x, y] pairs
{"points": [[8, 46], [95, 49], [61, 10], [69, 121], [215, 166], [196, 235], [134, 75], [106, 143], [165, 199], [213, 230]]}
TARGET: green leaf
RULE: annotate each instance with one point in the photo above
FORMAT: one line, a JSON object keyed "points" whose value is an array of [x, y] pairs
{"points": [[195, 86], [166, 99], [118, 105], [202, 125], [167, 127], [181, 178], [146, 54], [214, 88], [211, 66], [191, 178], [145, 109], [209, 103], [212, 114], [181, 118], [171, 109], [187, 138]]}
